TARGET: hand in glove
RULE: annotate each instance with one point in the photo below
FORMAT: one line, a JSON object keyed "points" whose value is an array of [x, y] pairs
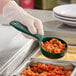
{"points": [[13, 12]]}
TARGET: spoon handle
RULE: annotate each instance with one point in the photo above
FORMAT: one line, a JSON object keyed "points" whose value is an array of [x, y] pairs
{"points": [[24, 29]]}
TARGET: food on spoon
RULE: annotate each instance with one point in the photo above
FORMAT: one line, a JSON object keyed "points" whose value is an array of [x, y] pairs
{"points": [[40, 69], [53, 46]]}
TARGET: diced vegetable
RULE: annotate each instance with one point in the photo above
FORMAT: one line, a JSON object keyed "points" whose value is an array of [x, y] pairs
{"points": [[53, 46], [45, 70]]}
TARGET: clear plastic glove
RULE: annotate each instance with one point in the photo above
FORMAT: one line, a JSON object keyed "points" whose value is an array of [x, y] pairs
{"points": [[13, 12]]}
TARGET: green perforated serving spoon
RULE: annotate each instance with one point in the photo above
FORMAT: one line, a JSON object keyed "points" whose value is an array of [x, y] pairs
{"points": [[41, 38]]}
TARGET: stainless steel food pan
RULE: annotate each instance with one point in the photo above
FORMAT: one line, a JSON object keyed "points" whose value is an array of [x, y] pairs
{"points": [[19, 57], [27, 63]]}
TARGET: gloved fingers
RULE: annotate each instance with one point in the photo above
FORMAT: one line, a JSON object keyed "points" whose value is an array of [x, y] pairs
{"points": [[38, 24], [27, 36], [32, 28], [16, 13]]}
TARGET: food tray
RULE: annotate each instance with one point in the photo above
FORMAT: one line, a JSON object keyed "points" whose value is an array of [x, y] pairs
{"points": [[69, 56], [37, 55], [19, 57], [46, 61]]}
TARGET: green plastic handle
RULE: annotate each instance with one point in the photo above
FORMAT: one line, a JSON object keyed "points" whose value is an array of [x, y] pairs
{"points": [[24, 29]]}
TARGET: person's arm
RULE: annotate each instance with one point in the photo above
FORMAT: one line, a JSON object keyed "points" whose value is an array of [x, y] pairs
{"points": [[2, 4], [13, 12]]}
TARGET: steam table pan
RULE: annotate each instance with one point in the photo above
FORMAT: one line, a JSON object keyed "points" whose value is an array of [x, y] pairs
{"points": [[17, 58], [27, 63], [69, 56]]}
